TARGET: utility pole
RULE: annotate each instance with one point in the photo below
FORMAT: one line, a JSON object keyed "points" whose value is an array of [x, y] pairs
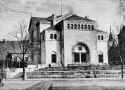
{"points": [[61, 7]]}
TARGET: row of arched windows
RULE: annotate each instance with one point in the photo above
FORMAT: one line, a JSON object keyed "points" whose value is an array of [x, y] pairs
{"points": [[80, 26]]}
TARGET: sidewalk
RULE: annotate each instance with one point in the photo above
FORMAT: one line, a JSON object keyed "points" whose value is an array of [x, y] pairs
{"points": [[18, 84]]}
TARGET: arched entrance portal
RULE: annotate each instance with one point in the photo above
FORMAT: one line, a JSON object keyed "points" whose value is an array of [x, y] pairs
{"points": [[80, 54]]}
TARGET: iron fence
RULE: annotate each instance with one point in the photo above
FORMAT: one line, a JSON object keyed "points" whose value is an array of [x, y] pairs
{"points": [[90, 74]]}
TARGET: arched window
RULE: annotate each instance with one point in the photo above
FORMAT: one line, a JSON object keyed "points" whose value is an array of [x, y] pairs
{"points": [[102, 37], [51, 36], [100, 56], [53, 57], [99, 37], [78, 26], [79, 54], [82, 26], [89, 27], [55, 36], [68, 26], [71, 26], [92, 27], [75, 26]]}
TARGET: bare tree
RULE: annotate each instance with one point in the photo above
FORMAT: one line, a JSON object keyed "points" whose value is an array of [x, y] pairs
{"points": [[21, 46]]}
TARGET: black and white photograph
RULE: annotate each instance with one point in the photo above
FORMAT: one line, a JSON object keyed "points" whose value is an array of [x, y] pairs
{"points": [[62, 44]]}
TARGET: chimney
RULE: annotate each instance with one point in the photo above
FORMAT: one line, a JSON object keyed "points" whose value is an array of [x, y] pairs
{"points": [[53, 19]]}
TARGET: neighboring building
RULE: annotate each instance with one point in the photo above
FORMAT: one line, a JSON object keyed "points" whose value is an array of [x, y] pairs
{"points": [[113, 51], [13, 50], [117, 51], [67, 40], [121, 39]]}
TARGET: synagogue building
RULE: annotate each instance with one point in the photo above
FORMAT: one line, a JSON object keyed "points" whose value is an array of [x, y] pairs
{"points": [[67, 40]]}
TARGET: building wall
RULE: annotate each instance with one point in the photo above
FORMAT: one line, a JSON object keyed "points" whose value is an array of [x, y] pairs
{"points": [[34, 32], [69, 38], [72, 37], [49, 47], [102, 47]]}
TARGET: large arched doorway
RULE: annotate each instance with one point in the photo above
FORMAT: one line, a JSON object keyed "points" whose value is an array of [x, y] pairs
{"points": [[80, 54]]}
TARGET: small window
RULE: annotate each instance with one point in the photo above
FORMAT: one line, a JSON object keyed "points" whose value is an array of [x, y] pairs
{"points": [[75, 26], [80, 48], [76, 57], [89, 27], [98, 37], [100, 58], [43, 37], [85, 26], [55, 36], [102, 37], [53, 57], [92, 27], [78, 26], [82, 26], [71, 26], [68, 26], [51, 36]]}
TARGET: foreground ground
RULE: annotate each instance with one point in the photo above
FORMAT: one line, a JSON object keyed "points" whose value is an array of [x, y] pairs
{"points": [[21, 85]]}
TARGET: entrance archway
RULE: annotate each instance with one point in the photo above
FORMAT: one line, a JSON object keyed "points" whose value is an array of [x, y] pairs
{"points": [[80, 54]]}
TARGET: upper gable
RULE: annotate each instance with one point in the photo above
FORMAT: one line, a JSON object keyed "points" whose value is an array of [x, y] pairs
{"points": [[75, 17]]}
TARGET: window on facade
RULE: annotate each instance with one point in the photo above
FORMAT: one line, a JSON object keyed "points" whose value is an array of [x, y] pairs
{"points": [[80, 48], [82, 26], [83, 57], [32, 36], [51, 36], [92, 27], [53, 57], [100, 58], [68, 26], [78, 26], [71, 26], [76, 57], [75, 26], [89, 27], [101, 37], [43, 37], [55, 36], [37, 25], [85, 26], [98, 37]]}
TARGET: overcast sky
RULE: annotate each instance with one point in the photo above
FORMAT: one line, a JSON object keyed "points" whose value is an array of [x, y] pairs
{"points": [[105, 12]]}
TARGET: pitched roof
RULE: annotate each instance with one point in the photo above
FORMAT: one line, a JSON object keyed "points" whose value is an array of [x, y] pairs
{"points": [[99, 31], [39, 19], [75, 17]]}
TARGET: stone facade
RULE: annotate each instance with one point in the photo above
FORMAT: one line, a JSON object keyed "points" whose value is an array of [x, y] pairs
{"points": [[69, 39]]}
